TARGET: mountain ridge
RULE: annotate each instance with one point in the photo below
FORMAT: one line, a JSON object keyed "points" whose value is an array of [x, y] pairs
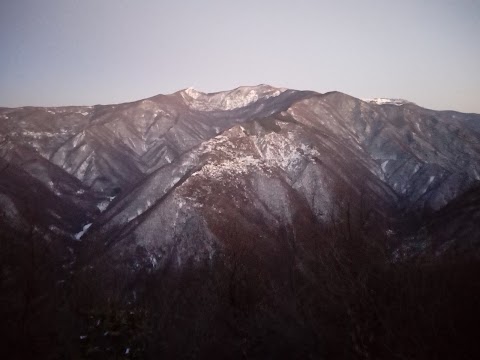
{"points": [[416, 159]]}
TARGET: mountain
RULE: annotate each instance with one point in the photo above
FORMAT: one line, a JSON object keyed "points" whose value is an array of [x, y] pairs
{"points": [[269, 174], [268, 160]]}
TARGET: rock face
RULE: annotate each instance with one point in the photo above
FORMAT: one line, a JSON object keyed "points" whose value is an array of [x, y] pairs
{"points": [[168, 179]]}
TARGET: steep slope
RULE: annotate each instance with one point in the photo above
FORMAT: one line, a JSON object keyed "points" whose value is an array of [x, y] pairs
{"points": [[427, 157], [454, 228]]}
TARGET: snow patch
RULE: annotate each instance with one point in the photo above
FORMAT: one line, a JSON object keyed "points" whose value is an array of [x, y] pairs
{"points": [[38, 134], [103, 205], [81, 171], [387, 101], [236, 102], [79, 235], [194, 94], [384, 165], [174, 181], [475, 173]]}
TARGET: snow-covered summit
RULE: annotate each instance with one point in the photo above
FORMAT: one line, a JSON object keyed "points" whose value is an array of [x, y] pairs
{"points": [[193, 93], [228, 100], [387, 101]]}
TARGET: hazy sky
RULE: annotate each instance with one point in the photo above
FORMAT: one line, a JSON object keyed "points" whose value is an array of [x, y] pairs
{"points": [[61, 52]]}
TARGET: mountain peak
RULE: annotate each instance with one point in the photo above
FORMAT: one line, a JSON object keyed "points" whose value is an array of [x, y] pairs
{"points": [[229, 100], [193, 93]]}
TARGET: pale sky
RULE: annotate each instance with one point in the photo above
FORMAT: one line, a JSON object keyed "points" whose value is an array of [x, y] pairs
{"points": [[85, 52]]}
